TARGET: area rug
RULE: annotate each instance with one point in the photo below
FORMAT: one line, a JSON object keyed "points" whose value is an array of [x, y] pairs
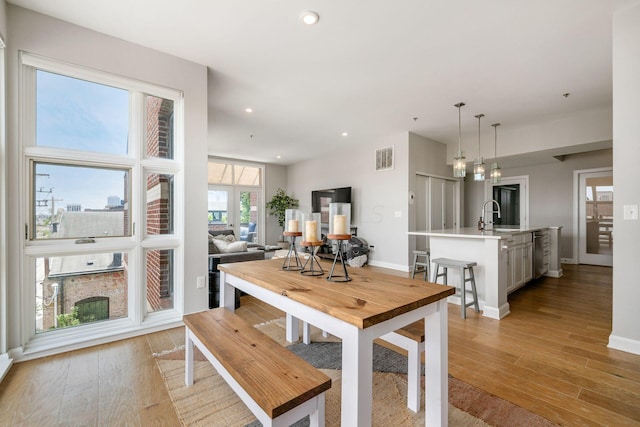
{"points": [[211, 402]]}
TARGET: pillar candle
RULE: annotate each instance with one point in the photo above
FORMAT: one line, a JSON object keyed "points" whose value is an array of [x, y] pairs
{"points": [[311, 231], [293, 225], [339, 224]]}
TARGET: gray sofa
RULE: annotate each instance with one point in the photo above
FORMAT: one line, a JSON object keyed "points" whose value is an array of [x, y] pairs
{"points": [[253, 252]]}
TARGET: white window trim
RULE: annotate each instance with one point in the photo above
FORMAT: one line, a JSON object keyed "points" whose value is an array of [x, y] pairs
{"points": [[136, 245]]}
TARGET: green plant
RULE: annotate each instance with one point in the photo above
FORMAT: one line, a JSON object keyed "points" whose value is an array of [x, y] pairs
{"points": [[279, 203]]}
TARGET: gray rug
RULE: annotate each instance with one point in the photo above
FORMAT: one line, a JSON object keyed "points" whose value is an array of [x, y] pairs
{"points": [[328, 355]]}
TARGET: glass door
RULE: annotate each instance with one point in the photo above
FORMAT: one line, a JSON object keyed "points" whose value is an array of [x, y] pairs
{"points": [[248, 214], [218, 202], [237, 209], [596, 218]]}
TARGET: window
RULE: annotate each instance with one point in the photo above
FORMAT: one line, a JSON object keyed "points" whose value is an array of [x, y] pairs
{"points": [[235, 192], [102, 153]]}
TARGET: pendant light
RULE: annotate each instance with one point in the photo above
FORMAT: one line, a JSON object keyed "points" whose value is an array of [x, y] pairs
{"points": [[496, 173], [478, 165], [459, 162]]}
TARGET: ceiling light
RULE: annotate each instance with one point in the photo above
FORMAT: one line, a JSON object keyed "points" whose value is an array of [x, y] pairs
{"points": [[478, 165], [496, 173], [345, 134], [277, 157], [249, 110], [309, 17], [459, 162]]}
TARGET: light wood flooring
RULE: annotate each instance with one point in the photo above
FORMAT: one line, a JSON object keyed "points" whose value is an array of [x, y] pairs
{"points": [[549, 356]]}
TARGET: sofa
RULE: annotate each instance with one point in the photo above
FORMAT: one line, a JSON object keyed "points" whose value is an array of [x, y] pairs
{"points": [[223, 249]]}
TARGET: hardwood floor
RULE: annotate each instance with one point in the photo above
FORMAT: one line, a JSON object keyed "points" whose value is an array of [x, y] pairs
{"points": [[549, 356]]}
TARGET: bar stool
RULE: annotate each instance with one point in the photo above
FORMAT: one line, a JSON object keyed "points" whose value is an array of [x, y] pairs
{"points": [[463, 266], [426, 254]]}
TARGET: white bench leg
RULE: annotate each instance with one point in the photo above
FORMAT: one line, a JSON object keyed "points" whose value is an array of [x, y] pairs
{"points": [[306, 333], [316, 419], [188, 359], [414, 351], [292, 328]]}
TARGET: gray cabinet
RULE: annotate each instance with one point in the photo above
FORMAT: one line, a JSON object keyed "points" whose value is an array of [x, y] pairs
{"points": [[519, 248]]}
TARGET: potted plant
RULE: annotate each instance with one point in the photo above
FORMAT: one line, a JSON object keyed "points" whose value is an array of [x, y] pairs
{"points": [[277, 206]]}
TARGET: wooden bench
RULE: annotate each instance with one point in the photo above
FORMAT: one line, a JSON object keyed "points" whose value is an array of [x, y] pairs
{"points": [[411, 339], [278, 387]]}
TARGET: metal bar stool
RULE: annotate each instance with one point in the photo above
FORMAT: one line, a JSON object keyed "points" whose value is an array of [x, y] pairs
{"points": [[426, 254], [463, 266]]}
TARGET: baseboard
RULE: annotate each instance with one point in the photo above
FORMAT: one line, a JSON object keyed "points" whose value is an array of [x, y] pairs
{"points": [[389, 265], [5, 365], [568, 261], [624, 344], [554, 273]]}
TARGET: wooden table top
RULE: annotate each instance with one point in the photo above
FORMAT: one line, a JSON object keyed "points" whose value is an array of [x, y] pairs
{"points": [[369, 298]]}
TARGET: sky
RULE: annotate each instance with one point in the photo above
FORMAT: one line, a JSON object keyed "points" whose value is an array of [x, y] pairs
{"points": [[80, 115]]}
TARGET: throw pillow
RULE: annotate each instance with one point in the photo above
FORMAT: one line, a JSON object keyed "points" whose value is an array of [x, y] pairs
{"points": [[229, 247], [213, 249], [225, 237]]}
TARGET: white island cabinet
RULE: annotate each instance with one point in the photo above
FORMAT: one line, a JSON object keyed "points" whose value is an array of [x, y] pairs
{"points": [[504, 257]]}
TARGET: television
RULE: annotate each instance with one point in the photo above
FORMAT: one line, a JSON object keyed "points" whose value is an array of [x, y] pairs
{"points": [[320, 200]]}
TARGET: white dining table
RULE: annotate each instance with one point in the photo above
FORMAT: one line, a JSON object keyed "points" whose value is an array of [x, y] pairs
{"points": [[369, 306]]}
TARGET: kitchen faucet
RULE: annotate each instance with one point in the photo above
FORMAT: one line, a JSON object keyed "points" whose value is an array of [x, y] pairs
{"points": [[481, 223]]}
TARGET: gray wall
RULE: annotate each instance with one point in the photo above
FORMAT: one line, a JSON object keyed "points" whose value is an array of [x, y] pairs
{"points": [[551, 193], [53, 38], [626, 176], [379, 207], [275, 176]]}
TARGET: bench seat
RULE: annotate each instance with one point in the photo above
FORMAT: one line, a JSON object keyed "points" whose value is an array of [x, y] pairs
{"points": [[279, 387]]}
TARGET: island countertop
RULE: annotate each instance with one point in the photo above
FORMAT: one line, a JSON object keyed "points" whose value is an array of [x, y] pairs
{"points": [[499, 233]]}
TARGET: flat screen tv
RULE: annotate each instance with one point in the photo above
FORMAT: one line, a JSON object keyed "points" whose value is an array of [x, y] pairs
{"points": [[320, 200]]}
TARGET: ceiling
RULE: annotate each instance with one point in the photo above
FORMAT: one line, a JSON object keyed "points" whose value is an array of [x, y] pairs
{"points": [[371, 68]]}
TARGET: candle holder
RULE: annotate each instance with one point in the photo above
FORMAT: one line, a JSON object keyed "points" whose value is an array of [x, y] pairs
{"points": [[293, 219], [311, 239], [340, 232]]}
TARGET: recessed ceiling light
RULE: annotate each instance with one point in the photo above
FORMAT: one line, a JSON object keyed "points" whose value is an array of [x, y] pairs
{"points": [[277, 157], [345, 134], [309, 17], [249, 110]]}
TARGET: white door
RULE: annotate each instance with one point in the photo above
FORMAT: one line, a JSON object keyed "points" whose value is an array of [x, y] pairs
{"points": [[441, 203], [595, 218], [235, 208]]}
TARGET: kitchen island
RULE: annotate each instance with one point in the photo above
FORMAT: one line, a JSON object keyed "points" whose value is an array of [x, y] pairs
{"points": [[506, 259]]}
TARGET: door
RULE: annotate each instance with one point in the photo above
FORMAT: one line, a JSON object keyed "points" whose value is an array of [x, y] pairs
{"points": [[235, 208], [512, 194], [441, 203], [595, 218]]}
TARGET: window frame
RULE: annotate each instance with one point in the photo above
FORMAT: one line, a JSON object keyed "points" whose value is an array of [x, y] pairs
{"points": [[134, 245]]}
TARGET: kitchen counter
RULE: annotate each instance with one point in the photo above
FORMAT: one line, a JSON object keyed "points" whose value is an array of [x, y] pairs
{"points": [[504, 258], [473, 233]]}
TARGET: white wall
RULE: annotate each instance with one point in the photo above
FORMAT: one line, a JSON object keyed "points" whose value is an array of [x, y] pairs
{"points": [[551, 193], [377, 196], [626, 176], [275, 177], [56, 39], [425, 157], [582, 127]]}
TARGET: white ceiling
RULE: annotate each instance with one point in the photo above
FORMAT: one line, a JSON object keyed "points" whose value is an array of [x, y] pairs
{"points": [[369, 66]]}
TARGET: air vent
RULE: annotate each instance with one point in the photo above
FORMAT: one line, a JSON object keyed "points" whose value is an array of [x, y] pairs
{"points": [[384, 159]]}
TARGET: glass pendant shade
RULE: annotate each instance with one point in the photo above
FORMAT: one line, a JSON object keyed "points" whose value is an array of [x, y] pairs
{"points": [[496, 173], [459, 161], [478, 169], [459, 165], [478, 165]]}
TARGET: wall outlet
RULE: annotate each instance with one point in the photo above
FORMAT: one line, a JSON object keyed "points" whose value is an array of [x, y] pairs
{"points": [[630, 211], [201, 283]]}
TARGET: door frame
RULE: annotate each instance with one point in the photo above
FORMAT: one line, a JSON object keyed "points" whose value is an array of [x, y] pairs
{"points": [[523, 181], [576, 209]]}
